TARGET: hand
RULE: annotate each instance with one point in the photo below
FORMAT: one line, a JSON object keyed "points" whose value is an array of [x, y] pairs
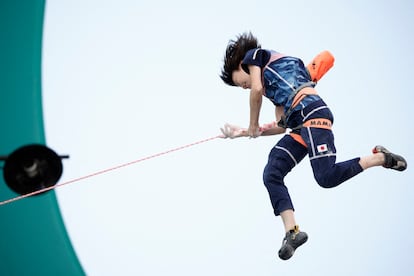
{"points": [[254, 131], [268, 126], [232, 131]]}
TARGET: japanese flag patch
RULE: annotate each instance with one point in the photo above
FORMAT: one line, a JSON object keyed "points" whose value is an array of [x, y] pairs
{"points": [[322, 148]]}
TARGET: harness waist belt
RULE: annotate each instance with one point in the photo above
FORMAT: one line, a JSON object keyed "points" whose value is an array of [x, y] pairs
{"points": [[318, 123]]}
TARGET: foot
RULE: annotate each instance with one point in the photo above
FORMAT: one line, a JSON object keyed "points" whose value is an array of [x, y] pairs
{"points": [[293, 239], [392, 160]]}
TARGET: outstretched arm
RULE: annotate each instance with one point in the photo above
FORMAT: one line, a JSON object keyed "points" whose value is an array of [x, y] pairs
{"points": [[233, 131], [273, 129]]}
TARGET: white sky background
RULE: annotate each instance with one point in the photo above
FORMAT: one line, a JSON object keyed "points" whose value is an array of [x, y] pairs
{"points": [[126, 79]]}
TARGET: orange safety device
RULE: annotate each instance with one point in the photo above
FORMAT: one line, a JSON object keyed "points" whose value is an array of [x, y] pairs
{"points": [[320, 65]]}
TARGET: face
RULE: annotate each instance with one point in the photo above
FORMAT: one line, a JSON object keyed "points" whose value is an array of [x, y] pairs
{"points": [[241, 78]]}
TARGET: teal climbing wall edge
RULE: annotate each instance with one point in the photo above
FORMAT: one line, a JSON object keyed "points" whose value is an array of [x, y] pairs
{"points": [[33, 237]]}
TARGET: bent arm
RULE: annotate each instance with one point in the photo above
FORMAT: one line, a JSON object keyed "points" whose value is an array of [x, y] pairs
{"points": [[273, 131], [273, 128], [232, 131]]}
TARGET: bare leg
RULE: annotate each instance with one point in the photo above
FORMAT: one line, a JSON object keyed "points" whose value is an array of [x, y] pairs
{"points": [[376, 159], [288, 218]]}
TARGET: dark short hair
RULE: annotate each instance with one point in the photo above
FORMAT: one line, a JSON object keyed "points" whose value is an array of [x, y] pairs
{"points": [[235, 52]]}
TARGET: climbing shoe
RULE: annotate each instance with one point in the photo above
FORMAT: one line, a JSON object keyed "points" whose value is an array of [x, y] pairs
{"points": [[392, 160], [293, 239]]}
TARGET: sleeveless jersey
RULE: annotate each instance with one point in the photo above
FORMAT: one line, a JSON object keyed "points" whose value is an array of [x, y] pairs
{"points": [[281, 76]]}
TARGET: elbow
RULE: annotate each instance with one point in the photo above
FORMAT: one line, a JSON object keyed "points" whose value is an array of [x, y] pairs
{"points": [[257, 89], [256, 93]]}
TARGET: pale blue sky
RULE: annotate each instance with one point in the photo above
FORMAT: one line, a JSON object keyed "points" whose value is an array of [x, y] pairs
{"points": [[126, 79]]}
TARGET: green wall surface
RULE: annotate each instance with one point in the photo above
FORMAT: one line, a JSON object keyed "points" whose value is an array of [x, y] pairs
{"points": [[33, 238]]}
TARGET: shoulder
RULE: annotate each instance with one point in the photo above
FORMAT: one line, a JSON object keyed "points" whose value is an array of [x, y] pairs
{"points": [[257, 56]]}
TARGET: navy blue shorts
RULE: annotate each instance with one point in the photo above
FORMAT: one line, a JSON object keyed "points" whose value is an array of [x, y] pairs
{"points": [[315, 140]]}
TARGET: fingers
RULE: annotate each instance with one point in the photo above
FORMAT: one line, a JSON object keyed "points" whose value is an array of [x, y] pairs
{"points": [[254, 132], [227, 131], [232, 131], [224, 131]]}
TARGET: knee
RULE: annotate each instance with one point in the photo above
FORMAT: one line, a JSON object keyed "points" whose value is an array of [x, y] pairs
{"points": [[324, 181], [272, 176], [277, 167]]}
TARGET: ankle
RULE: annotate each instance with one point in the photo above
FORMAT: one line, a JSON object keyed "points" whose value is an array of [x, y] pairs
{"points": [[294, 229]]}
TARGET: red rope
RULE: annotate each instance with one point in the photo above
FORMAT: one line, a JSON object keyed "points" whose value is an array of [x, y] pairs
{"points": [[106, 170]]}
